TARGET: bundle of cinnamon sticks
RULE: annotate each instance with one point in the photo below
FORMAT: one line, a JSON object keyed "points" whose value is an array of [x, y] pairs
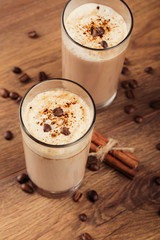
{"points": [[123, 161]]}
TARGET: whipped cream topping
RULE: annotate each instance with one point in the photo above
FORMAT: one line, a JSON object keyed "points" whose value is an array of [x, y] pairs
{"points": [[84, 20], [57, 117]]}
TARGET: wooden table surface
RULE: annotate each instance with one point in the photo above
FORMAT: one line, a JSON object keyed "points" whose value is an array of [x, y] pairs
{"points": [[126, 209]]}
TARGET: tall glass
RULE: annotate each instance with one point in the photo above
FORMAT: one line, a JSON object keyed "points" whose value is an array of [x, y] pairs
{"points": [[56, 169], [97, 70]]}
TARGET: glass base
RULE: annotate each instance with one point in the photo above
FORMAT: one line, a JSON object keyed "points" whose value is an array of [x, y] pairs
{"points": [[48, 194], [100, 107]]}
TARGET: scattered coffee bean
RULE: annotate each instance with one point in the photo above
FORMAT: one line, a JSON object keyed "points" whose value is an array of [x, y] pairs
{"points": [[83, 217], [24, 78], [98, 7], [92, 195], [125, 70], [65, 131], [130, 94], [126, 61], [33, 34], [19, 99], [129, 109], [14, 95], [86, 236], [125, 84], [138, 119], [104, 44], [22, 178], [157, 180], [4, 93], [78, 197], [16, 70], [94, 167], [149, 70], [46, 127], [42, 76], [58, 112], [8, 135], [26, 187], [133, 83], [158, 146], [155, 104], [91, 160]]}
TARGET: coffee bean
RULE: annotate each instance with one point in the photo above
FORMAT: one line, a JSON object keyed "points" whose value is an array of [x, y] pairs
{"points": [[94, 167], [14, 95], [46, 127], [22, 178], [93, 32], [33, 34], [155, 104], [158, 146], [92, 195], [19, 99], [157, 180], [91, 160], [125, 84], [4, 93], [83, 217], [130, 94], [138, 119], [149, 70], [98, 7], [42, 76], [125, 70], [104, 44], [26, 187], [16, 70], [100, 31], [86, 236], [8, 135], [126, 61], [78, 197], [129, 108], [58, 112], [133, 83], [65, 131], [24, 78]]}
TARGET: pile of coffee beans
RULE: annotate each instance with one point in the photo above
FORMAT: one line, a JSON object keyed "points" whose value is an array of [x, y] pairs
{"points": [[25, 183]]}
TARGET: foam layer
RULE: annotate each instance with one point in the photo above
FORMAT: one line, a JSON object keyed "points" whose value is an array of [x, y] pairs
{"points": [[91, 15], [76, 117]]}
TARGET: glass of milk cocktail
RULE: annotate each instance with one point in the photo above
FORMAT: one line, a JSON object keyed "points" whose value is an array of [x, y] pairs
{"points": [[95, 36], [57, 118]]}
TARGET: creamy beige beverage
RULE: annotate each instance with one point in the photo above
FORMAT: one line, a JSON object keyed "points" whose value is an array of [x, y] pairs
{"points": [[91, 51], [54, 121]]}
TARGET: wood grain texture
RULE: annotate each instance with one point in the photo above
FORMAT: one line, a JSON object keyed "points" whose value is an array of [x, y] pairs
{"points": [[126, 209]]}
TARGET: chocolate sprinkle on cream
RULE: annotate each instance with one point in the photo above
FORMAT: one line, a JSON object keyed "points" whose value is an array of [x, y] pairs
{"points": [[65, 131], [104, 44], [46, 127], [58, 112]]}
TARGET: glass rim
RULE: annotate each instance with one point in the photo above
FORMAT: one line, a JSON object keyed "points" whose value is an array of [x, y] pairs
{"points": [[52, 145], [97, 49]]}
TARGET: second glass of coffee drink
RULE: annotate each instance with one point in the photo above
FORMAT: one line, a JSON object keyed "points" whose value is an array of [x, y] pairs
{"points": [[95, 36], [57, 118]]}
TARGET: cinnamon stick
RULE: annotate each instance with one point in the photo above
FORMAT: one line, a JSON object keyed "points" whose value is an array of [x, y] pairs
{"points": [[130, 162], [116, 164], [113, 162]]}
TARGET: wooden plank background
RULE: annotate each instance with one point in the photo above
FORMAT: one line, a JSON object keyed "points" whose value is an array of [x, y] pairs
{"points": [[126, 209]]}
